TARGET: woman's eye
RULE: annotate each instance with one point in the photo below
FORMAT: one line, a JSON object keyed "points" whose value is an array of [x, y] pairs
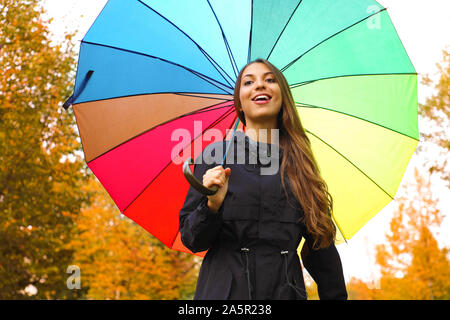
{"points": [[271, 80], [246, 83]]}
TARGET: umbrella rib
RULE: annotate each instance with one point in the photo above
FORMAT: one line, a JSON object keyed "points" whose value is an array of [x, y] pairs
{"points": [[203, 95], [188, 94], [349, 161], [282, 31], [305, 105], [143, 132], [203, 110], [229, 89], [201, 49], [221, 118], [230, 55], [299, 84], [249, 53], [335, 34], [224, 75], [203, 77], [227, 45]]}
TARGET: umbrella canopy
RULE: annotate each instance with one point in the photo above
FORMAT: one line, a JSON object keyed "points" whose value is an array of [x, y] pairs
{"points": [[149, 68]]}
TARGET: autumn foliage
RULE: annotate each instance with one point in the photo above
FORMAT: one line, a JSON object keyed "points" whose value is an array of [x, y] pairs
{"points": [[39, 186], [413, 265], [436, 110]]}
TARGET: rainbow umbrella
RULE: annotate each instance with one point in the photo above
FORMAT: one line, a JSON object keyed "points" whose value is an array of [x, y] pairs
{"points": [[150, 72]]}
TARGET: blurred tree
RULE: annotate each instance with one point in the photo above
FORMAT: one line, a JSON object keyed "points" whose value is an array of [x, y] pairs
{"points": [[412, 264], [120, 260], [39, 186], [359, 290], [436, 110], [311, 287]]}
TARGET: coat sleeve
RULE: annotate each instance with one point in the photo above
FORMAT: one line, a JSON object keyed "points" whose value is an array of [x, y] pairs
{"points": [[325, 267], [199, 226]]}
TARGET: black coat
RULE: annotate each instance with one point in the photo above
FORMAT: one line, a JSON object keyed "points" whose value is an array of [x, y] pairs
{"points": [[252, 241]]}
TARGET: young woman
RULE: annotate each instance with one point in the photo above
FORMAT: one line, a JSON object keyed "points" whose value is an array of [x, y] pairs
{"points": [[254, 223]]}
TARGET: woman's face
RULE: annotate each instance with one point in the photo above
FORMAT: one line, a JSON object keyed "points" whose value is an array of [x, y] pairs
{"points": [[260, 94]]}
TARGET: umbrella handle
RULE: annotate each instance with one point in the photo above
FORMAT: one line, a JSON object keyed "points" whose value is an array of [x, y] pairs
{"points": [[193, 181]]}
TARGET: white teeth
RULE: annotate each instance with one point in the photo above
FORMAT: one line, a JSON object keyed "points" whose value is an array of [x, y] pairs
{"points": [[262, 97]]}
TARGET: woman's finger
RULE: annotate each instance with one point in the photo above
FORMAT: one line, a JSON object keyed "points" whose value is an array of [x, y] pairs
{"points": [[216, 174], [212, 182]]}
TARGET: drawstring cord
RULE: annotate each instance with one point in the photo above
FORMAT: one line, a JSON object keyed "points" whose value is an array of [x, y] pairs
{"points": [[299, 291], [246, 250]]}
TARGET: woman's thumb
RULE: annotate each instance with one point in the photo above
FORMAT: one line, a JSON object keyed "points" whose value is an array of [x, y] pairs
{"points": [[227, 172]]}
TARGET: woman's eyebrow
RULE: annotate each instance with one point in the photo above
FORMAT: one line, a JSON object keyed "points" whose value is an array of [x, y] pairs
{"points": [[252, 75]]}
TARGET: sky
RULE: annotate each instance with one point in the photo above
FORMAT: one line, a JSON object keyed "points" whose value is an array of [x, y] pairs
{"points": [[423, 27]]}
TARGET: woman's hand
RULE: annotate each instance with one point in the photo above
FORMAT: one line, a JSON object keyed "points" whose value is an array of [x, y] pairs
{"points": [[217, 176]]}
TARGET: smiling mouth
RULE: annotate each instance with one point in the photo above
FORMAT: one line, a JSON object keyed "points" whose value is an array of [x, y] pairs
{"points": [[262, 98]]}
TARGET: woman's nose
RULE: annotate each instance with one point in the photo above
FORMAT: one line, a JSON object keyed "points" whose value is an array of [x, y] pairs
{"points": [[260, 83]]}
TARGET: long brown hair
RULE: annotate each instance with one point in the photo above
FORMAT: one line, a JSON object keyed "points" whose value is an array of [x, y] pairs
{"points": [[298, 163]]}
